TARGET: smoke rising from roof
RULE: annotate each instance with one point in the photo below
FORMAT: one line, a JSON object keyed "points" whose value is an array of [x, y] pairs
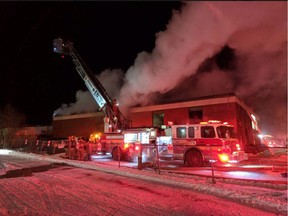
{"points": [[255, 31]]}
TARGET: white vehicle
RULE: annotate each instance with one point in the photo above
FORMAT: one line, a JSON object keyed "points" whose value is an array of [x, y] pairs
{"points": [[204, 142]]}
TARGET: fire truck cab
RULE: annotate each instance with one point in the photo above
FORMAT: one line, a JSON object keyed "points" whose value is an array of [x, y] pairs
{"points": [[211, 141]]}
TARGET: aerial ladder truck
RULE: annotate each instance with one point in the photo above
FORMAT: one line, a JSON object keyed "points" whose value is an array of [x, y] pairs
{"points": [[128, 143], [113, 117], [119, 139]]}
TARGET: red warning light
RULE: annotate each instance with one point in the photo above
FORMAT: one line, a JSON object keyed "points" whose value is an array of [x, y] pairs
{"points": [[62, 56]]}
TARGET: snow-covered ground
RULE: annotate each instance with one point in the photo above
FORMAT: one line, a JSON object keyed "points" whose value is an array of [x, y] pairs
{"points": [[266, 196]]}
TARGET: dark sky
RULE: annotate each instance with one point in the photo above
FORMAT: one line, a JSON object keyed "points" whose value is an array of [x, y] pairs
{"points": [[37, 81], [144, 52]]}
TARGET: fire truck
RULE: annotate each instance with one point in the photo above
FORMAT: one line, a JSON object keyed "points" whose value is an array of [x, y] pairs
{"points": [[128, 144], [196, 144], [118, 139]]}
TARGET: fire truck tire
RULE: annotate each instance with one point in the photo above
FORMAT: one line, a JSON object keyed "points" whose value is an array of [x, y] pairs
{"points": [[115, 154], [193, 158]]}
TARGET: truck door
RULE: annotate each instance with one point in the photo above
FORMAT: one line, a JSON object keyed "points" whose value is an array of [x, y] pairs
{"points": [[208, 140], [207, 136], [183, 139], [179, 137]]}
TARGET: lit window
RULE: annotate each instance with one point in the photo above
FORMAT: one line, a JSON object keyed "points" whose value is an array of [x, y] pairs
{"points": [[181, 132]]}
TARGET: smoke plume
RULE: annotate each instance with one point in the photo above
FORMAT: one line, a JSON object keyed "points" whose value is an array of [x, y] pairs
{"points": [[111, 81], [255, 31]]}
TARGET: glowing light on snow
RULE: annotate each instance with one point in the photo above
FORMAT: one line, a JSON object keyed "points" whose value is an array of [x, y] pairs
{"points": [[5, 152]]}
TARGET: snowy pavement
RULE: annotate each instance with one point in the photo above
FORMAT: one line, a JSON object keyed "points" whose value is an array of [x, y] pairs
{"points": [[264, 170], [271, 197], [261, 170], [258, 175]]}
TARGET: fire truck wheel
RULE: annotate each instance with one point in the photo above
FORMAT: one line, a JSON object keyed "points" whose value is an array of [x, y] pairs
{"points": [[115, 154], [193, 158]]}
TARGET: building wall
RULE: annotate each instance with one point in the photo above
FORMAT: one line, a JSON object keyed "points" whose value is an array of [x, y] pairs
{"points": [[34, 131], [230, 112], [177, 116], [247, 135], [142, 119], [226, 109], [78, 125], [223, 112]]}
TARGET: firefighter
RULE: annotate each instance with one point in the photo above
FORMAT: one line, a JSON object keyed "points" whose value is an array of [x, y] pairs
{"points": [[106, 123], [80, 148], [116, 113], [88, 150], [115, 107]]}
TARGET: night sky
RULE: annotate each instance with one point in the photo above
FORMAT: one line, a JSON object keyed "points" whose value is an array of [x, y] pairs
{"points": [[37, 81], [145, 53]]}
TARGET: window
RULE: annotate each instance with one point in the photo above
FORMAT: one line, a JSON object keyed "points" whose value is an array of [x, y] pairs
{"points": [[130, 137], [158, 119], [181, 132], [207, 132], [222, 130], [196, 114], [191, 132]]}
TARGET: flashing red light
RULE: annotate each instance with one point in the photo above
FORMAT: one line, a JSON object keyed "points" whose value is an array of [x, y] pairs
{"points": [[137, 148], [170, 148], [62, 56]]}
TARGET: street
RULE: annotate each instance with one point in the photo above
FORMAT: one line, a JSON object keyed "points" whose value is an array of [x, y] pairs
{"points": [[249, 170], [66, 190], [33, 185]]}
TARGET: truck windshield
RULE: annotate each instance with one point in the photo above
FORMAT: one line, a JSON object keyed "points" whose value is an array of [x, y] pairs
{"points": [[223, 130]]}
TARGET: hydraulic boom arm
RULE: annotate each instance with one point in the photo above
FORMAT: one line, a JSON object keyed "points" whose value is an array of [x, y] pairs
{"points": [[115, 117]]}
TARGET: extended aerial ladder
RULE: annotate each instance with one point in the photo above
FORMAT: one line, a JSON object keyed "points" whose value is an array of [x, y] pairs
{"points": [[113, 116]]}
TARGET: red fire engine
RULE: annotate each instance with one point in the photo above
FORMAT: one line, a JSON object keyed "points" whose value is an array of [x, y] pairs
{"points": [[128, 144], [196, 144]]}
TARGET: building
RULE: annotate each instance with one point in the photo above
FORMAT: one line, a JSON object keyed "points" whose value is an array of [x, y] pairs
{"points": [[80, 125], [17, 137], [227, 108]]}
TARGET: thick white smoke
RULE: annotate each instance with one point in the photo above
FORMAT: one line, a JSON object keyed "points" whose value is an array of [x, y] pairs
{"points": [[82, 105], [256, 31], [111, 81], [199, 31]]}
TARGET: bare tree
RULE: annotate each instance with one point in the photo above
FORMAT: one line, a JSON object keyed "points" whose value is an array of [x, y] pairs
{"points": [[10, 121]]}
